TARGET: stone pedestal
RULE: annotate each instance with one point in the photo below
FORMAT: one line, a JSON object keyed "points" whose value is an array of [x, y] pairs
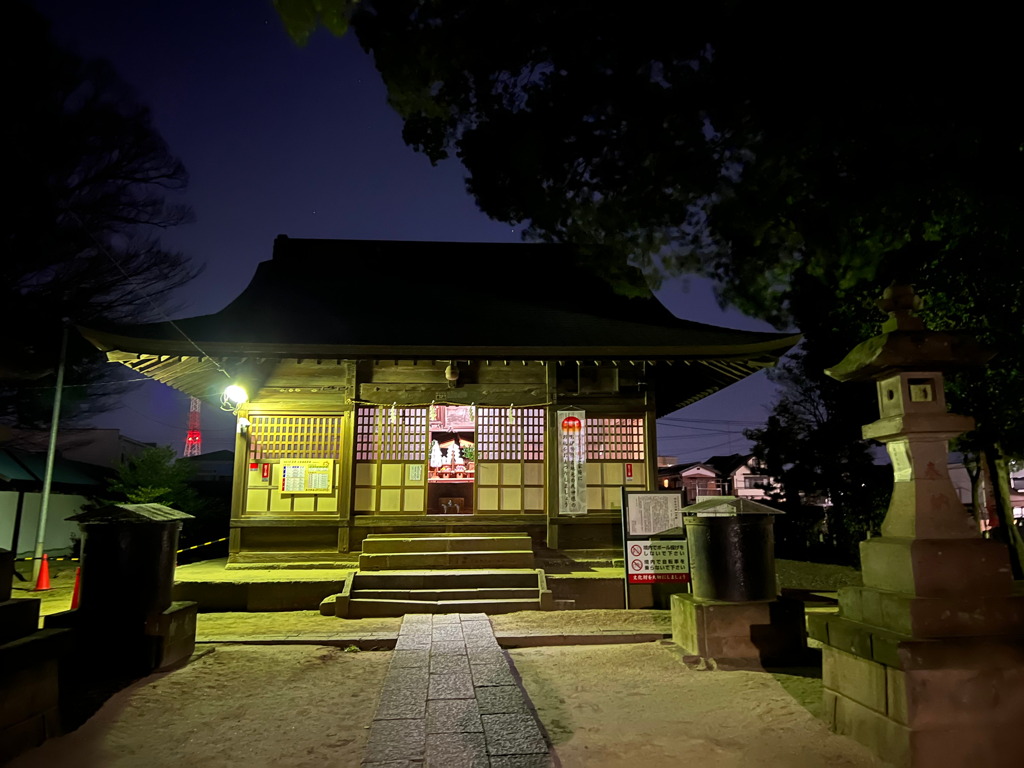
{"points": [[29, 667], [946, 702], [748, 634]]}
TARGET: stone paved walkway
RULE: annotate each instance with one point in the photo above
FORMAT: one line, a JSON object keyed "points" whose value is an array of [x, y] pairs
{"points": [[451, 700]]}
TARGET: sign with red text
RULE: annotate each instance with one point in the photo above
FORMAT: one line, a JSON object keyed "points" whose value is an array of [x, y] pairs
{"points": [[654, 538], [652, 562]]}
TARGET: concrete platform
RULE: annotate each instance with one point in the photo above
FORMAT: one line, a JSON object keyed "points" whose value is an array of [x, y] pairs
{"points": [[528, 629], [218, 588]]}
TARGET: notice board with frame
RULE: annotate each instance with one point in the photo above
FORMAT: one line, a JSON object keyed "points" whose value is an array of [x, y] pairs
{"points": [[653, 539]]}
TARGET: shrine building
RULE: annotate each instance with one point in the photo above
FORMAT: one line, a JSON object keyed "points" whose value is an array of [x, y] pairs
{"points": [[426, 387]]}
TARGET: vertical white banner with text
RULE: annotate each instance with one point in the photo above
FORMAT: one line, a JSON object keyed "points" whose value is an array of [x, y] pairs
{"points": [[572, 457]]}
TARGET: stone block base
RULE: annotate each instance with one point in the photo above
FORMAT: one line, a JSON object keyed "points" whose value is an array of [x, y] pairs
{"points": [[174, 633], [954, 702], [166, 641], [740, 634], [936, 617], [936, 567], [29, 691], [18, 618]]}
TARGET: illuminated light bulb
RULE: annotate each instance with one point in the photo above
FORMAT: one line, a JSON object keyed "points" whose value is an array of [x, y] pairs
{"points": [[236, 394]]}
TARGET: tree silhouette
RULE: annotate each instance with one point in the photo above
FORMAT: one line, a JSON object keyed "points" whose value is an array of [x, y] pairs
{"points": [[798, 164], [88, 178]]}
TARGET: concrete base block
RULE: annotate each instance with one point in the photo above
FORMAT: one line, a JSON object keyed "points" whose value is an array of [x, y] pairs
{"points": [[288, 596], [335, 605], [214, 596], [874, 730], [327, 606], [175, 634], [956, 703], [739, 633], [936, 567], [31, 732], [18, 618], [934, 617], [29, 669]]}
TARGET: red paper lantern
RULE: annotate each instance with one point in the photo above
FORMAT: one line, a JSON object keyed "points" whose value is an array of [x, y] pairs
{"points": [[571, 424]]}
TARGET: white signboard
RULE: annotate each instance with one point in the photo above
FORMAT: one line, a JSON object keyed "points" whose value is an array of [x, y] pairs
{"points": [[649, 514], [649, 562]]}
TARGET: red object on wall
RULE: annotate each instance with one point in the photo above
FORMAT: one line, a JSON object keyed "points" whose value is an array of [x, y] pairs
{"points": [[571, 424]]}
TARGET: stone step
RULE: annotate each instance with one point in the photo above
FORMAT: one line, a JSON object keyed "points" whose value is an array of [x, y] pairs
{"points": [[407, 535], [374, 608], [422, 560], [456, 579], [435, 595], [423, 544]]}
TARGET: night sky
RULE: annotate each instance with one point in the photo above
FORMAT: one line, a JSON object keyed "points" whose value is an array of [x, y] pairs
{"points": [[300, 141]]}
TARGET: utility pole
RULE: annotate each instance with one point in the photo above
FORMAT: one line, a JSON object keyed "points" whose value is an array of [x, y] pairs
{"points": [[51, 452]]}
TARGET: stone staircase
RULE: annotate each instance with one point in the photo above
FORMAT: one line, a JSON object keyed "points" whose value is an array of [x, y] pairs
{"points": [[454, 573]]}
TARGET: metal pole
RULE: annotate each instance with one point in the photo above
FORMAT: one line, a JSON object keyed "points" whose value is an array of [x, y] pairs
{"points": [[51, 452]]}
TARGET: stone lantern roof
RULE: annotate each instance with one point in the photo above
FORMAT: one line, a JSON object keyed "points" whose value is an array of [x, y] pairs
{"points": [[906, 344]]}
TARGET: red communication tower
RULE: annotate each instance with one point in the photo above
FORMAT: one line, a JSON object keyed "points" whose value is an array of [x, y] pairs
{"points": [[194, 438]]}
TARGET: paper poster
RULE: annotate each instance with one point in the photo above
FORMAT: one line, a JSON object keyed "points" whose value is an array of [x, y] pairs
{"points": [[307, 475], [649, 514]]}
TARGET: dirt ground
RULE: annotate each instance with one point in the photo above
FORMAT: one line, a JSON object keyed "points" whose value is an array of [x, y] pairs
{"points": [[300, 706], [310, 707], [623, 706], [252, 706]]}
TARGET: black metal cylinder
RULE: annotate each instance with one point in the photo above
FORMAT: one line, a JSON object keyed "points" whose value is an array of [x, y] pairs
{"points": [[127, 570], [732, 558]]}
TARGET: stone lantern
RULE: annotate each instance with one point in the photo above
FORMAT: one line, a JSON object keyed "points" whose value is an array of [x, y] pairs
{"points": [[925, 661]]}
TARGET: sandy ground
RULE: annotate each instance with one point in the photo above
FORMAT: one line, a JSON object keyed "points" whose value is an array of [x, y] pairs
{"points": [[252, 706], [309, 706], [639, 705], [300, 706]]}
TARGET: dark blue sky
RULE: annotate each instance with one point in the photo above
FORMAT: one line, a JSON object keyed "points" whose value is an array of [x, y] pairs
{"points": [[300, 141]]}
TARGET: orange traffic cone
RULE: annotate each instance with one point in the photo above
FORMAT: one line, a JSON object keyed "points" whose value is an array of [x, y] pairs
{"points": [[78, 586], [43, 582]]}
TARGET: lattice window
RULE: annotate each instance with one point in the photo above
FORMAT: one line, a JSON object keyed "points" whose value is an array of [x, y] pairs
{"points": [[386, 434], [499, 440], [615, 439], [294, 437]]}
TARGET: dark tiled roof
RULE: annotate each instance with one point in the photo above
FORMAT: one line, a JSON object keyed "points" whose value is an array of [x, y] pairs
{"points": [[364, 293], [359, 299]]}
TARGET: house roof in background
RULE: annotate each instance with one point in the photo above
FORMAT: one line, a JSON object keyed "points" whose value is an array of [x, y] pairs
{"points": [[726, 465], [27, 471]]}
